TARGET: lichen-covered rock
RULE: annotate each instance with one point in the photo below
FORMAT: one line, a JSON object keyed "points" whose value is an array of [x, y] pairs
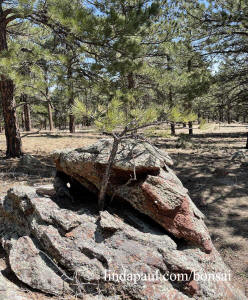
{"points": [[9, 291], [57, 251], [157, 192], [31, 266], [145, 155]]}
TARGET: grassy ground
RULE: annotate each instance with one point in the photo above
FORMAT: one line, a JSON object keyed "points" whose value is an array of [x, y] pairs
{"points": [[216, 184]]}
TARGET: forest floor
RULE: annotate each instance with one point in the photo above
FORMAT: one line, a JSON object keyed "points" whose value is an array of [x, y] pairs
{"points": [[217, 184]]}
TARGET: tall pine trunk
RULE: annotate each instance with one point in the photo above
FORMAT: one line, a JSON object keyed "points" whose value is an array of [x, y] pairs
{"points": [[190, 127], [12, 133], [23, 121], [26, 110], [173, 130], [199, 118], [229, 116], [72, 126], [130, 86], [172, 124], [50, 116]]}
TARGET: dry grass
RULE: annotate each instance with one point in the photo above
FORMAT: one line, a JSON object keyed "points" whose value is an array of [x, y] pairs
{"points": [[222, 197]]}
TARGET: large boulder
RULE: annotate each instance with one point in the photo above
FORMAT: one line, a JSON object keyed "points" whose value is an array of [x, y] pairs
{"points": [[156, 192], [119, 254]]}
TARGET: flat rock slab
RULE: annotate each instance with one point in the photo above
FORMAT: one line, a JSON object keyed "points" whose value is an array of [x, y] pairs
{"points": [[64, 252]]}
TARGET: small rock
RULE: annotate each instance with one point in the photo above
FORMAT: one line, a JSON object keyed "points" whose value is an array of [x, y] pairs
{"points": [[28, 159]]}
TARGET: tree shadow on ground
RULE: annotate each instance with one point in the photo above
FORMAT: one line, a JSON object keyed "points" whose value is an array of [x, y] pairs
{"points": [[60, 136], [223, 197], [14, 171]]}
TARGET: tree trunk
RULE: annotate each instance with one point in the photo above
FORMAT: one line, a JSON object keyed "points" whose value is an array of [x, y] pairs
{"points": [[221, 115], [72, 127], [50, 116], [105, 179], [184, 125], [26, 110], [130, 80], [12, 133], [173, 130], [130, 86], [27, 117], [199, 118], [228, 118], [229, 115], [246, 147], [190, 127], [23, 121]]}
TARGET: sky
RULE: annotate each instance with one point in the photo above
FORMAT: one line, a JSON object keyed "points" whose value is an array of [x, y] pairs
{"points": [[204, 1]]}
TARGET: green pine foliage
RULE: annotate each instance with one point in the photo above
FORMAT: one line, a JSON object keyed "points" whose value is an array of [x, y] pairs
{"points": [[128, 62]]}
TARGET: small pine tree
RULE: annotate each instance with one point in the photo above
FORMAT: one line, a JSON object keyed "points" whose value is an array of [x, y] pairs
{"points": [[114, 121]]}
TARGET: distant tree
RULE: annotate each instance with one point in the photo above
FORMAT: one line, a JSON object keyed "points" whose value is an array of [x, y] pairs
{"points": [[219, 30]]}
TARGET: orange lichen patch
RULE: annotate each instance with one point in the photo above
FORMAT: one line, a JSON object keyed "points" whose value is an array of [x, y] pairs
{"points": [[70, 235]]}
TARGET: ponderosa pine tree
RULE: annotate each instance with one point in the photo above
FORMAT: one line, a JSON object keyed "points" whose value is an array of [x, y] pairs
{"points": [[13, 139], [220, 35]]}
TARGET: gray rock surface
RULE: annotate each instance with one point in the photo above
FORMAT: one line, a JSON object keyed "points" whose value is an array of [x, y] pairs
{"points": [[9, 291], [157, 192], [28, 159], [63, 251]]}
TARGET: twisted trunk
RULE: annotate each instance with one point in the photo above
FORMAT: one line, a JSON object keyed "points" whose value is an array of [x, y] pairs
{"points": [[106, 176]]}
